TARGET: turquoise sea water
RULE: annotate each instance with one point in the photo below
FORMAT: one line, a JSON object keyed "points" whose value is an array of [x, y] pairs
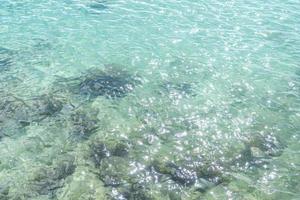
{"points": [[149, 99]]}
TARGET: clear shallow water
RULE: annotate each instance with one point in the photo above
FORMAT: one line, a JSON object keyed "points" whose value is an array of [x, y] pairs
{"points": [[149, 99]]}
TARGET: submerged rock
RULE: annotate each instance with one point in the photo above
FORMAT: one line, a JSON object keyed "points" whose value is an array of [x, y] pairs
{"points": [[269, 144], [64, 167], [100, 150], [84, 123], [259, 150], [121, 181], [120, 149], [188, 175], [211, 173], [181, 175], [48, 180], [248, 158], [127, 179], [114, 172]]}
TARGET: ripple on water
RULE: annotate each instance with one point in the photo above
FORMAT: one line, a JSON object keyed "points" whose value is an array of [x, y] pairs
{"points": [[213, 112]]}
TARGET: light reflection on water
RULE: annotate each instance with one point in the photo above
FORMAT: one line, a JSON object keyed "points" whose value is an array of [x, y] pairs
{"points": [[149, 100]]}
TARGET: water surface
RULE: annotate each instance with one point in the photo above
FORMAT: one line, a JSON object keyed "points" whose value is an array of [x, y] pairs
{"points": [[149, 99]]}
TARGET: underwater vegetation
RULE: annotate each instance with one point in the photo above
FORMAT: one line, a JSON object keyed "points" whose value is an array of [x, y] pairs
{"points": [[111, 84]]}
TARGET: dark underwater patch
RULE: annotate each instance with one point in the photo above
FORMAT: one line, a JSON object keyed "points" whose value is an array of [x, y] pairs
{"points": [[114, 172], [4, 191], [13, 112], [178, 174], [113, 169], [187, 176], [3, 132], [98, 5], [111, 84], [108, 85], [6, 60], [105, 85], [258, 151], [17, 113], [5, 63], [185, 89], [47, 105], [134, 191], [84, 124], [270, 144], [48, 180], [100, 150], [28, 110]]}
